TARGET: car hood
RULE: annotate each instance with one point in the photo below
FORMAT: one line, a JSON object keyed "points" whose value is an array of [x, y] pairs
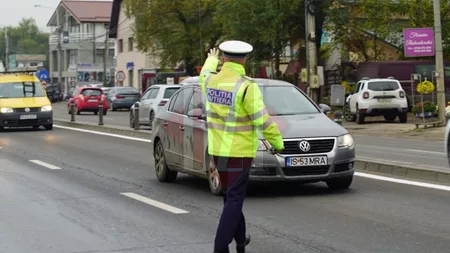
{"points": [[308, 125], [24, 102]]}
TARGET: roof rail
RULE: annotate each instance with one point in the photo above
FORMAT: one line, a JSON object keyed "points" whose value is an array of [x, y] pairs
{"points": [[365, 78], [390, 77]]}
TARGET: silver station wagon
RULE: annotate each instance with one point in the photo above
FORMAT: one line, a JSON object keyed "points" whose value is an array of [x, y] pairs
{"points": [[316, 148]]}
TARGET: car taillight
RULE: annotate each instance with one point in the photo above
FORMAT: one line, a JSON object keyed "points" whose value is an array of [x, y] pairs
{"points": [[366, 95], [81, 97], [120, 96], [402, 94], [103, 97], [162, 103]]}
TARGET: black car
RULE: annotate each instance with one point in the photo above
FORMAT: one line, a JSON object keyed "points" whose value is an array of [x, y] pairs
{"points": [[54, 93]]}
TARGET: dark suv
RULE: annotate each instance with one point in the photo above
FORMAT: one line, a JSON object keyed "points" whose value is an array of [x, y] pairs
{"points": [[54, 93]]}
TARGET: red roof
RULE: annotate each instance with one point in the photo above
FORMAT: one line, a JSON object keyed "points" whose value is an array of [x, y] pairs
{"points": [[89, 11]]}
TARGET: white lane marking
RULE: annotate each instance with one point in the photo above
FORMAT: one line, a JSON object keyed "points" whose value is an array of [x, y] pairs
{"points": [[425, 151], [102, 133], [404, 181], [154, 203], [46, 165]]}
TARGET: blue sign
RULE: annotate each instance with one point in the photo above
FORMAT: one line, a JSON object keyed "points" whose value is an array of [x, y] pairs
{"points": [[43, 75], [220, 97]]}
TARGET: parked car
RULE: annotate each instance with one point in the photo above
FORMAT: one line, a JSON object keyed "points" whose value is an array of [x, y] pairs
{"points": [[54, 93], [122, 97], [87, 99], [316, 148], [153, 99], [377, 97]]}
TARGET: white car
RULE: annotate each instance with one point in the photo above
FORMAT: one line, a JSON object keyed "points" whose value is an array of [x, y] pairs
{"points": [[377, 97], [153, 98], [447, 141]]}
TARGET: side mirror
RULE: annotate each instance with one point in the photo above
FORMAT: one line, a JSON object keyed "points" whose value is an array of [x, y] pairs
{"points": [[196, 113], [325, 108]]}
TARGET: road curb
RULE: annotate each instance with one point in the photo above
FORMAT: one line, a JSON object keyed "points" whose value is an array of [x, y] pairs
{"points": [[400, 170], [105, 129], [373, 166]]}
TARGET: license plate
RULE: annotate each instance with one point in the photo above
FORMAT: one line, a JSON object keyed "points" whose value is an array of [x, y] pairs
{"points": [[384, 100], [306, 161], [92, 100], [28, 116]]}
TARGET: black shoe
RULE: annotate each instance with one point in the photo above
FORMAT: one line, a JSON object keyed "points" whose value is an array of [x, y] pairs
{"points": [[240, 248]]}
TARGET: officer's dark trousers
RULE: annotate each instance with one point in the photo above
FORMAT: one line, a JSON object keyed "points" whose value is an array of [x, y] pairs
{"points": [[234, 175]]}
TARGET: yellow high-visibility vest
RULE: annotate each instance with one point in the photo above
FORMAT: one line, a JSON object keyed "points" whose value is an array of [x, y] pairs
{"points": [[235, 112]]}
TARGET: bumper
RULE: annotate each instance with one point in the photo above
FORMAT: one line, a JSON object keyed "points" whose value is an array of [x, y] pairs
{"points": [[13, 119], [379, 108], [124, 104], [268, 167], [91, 107]]}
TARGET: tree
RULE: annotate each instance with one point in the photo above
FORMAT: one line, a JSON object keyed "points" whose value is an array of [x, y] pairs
{"points": [[359, 26], [420, 13], [175, 30], [24, 39]]}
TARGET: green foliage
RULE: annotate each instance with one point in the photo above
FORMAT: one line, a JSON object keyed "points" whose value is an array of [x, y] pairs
{"points": [[427, 107], [179, 30], [24, 39]]}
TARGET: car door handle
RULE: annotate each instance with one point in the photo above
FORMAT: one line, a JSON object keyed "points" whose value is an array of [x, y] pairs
{"points": [[182, 128], [165, 123]]}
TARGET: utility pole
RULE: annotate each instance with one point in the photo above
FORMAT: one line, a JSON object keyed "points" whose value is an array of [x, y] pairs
{"points": [[6, 49], [311, 51], [439, 61], [59, 32], [105, 55]]}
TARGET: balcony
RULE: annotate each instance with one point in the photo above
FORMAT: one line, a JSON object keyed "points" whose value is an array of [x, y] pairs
{"points": [[77, 38]]}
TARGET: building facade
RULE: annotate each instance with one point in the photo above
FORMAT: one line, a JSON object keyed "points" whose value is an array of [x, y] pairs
{"points": [[138, 69], [83, 39], [19, 62]]}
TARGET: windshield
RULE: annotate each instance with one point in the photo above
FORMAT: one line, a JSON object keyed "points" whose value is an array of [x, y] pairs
{"points": [[92, 92], [127, 90], [383, 86], [286, 100], [21, 90], [170, 91]]}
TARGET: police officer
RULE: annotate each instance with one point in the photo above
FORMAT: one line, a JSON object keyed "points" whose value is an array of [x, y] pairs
{"points": [[235, 112]]}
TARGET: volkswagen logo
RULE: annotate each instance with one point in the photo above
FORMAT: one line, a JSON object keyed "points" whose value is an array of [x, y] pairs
{"points": [[304, 146], [27, 109]]}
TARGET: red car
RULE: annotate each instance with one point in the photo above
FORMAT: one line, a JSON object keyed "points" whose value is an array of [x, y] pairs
{"points": [[87, 99]]}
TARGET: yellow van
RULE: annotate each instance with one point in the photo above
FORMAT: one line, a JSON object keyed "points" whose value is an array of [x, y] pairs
{"points": [[24, 102]]}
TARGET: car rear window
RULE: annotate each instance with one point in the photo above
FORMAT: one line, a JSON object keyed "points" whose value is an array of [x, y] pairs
{"points": [[92, 92], [168, 93], [382, 86]]}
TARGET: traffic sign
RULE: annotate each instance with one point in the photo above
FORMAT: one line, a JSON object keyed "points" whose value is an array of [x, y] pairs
{"points": [[120, 76], [43, 75]]}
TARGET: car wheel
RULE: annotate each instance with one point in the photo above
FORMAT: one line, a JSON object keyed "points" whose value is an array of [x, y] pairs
{"points": [[132, 120], [403, 117], [359, 116], [77, 111], [349, 117], [340, 183], [105, 112], [48, 127], [215, 185], [95, 113], [113, 107], [390, 117], [163, 173]]}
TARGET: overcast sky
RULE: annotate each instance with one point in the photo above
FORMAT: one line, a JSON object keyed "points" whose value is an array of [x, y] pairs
{"points": [[12, 11]]}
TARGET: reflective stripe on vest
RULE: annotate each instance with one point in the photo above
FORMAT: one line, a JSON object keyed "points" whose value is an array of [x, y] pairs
{"points": [[231, 129]]}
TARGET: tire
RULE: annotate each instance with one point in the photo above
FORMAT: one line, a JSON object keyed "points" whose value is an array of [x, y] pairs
{"points": [[105, 112], [77, 111], [163, 173], [390, 117], [132, 120], [359, 116], [113, 107], [340, 183], [95, 113], [212, 173], [403, 117], [48, 127], [150, 119], [348, 116]]}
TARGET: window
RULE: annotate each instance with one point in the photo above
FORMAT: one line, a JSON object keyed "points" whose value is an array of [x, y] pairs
{"points": [[120, 46], [154, 93], [286, 100], [21, 90], [146, 94], [130, 44], [172, 102], [197, 101], [383, 86], [168, 93], [181, 100], [92, 92]]}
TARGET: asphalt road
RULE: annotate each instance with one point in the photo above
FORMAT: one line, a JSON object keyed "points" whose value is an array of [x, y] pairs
{"points": [[119, 118], [69, 191], [417, 152]]}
